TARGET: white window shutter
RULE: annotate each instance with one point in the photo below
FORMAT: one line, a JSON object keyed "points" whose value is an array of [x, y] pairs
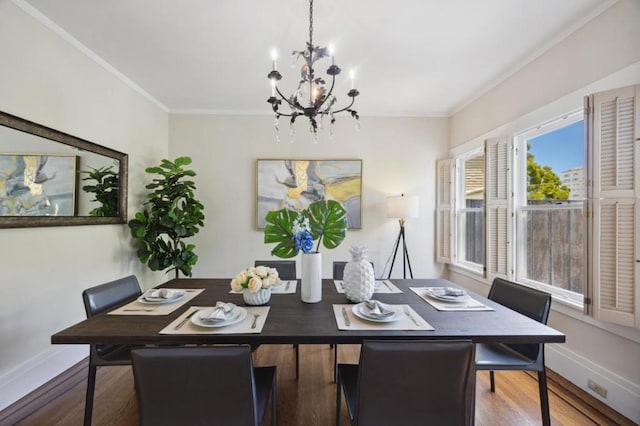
{"points": [[613, 126], [497, 207], [444, 210]]}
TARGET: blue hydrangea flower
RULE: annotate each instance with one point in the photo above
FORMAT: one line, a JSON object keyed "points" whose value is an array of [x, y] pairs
{"points": [[302, 234], [303, 241]]}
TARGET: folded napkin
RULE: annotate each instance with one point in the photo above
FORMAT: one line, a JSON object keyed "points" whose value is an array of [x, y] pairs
{"points": [[163, 293], [377, 309], [451, 291], [219, 313]]}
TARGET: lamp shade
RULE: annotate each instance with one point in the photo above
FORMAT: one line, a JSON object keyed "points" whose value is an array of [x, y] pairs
{"points": [[403, 207]]}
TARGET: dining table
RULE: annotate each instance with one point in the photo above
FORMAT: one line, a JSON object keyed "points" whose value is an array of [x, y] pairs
{"points": [[287, 319]]}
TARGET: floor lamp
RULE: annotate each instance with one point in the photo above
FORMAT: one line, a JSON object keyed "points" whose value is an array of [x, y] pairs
{"points": [[402, 208]]}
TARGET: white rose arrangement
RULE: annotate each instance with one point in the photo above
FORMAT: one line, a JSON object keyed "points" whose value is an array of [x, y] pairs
{"points": [[255, 278]]}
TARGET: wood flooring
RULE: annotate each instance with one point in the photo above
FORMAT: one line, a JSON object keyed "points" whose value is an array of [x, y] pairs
{"points": [[311, 400]]}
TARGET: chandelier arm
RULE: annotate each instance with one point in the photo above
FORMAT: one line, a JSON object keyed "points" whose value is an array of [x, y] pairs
{"points": [[293, 106], [333, 82], [353, 99], [282, 113]]}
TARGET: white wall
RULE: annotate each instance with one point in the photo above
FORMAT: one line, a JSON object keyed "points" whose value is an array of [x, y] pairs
{"points": [[397, 155], [604, 45], [44, 270], [603, 54]]}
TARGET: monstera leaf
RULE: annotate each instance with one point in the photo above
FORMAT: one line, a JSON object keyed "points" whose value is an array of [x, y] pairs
{"points": [[278, 230], [327, 223]]}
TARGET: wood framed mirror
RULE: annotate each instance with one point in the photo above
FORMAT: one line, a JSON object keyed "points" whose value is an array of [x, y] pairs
{"points": [[50, 178]]}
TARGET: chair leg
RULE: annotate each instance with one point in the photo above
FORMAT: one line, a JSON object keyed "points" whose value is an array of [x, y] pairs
{"points": [[338, 399], [88, 402], [544, 397], [492, 380], [297, 360], [274, 402], [335, 364]]}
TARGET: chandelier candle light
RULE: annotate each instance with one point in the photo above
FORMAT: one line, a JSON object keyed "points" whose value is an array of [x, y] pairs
{"points": [[311, 98]]}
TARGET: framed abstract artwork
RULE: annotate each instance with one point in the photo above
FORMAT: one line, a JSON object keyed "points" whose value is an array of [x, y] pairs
{"points": [[38, 185], [295, 184]]}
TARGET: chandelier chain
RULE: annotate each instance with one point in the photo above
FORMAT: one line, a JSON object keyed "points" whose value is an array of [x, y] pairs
{"points": [[311, 22]]}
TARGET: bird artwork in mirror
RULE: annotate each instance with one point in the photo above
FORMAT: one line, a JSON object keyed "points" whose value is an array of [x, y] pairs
{"points": [[50, 178]]}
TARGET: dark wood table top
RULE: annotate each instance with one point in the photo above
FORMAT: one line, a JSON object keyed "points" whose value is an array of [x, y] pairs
{"points": [[292, 321]]}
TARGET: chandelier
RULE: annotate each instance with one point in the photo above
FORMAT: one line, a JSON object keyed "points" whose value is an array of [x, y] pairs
{"points": [[311, 98]]}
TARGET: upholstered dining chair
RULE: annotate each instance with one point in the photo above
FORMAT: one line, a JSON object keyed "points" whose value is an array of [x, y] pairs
{"points": [[338, 269], [286, 271], [202, 386], [409, 382], [338, 274], [286, 268], [96, 300], [536, 305]]}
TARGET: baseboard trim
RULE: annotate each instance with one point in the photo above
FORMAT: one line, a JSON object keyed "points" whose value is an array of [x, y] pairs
{"points": [[46, 393], [569, 391], [623, 396], [39, 370]]}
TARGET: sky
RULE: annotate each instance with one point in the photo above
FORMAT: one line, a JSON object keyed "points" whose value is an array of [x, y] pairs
{"points": [[561, 149]]}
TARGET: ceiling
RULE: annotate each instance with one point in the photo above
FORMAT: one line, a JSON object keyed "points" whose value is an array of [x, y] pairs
{"points": [[411, 57]]}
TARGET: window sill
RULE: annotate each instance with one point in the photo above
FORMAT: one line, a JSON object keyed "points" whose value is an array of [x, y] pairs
{"points": [[468, 272], [569, 309], [564, 307]]}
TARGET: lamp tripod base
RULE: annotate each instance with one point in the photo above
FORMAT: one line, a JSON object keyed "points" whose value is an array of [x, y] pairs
{"points": [[405, 254]]}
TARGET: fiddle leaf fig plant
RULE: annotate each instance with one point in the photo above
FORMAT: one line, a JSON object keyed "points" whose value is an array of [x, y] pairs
{"points": [[171, 214], [105, 188], [293, 231]]}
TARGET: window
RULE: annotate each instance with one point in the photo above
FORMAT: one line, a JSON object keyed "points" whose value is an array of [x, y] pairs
{"points": [[556, 212], [470, 211], [549, 207]]}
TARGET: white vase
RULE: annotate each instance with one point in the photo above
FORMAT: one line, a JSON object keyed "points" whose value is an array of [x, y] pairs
{"points": [[311, 285], [260, 297]]}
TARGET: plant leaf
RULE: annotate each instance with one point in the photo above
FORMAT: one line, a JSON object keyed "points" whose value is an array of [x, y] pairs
{"points": [[278, 230], [328, 219]]}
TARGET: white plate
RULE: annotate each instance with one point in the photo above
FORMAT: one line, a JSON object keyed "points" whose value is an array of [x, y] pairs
{"points": [[439, 295], [237, 315], [160, 300], [361, 311]]}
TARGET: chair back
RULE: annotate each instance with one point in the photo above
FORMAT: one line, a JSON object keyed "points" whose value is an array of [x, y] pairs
{"points": [[286, 268], [527, 301], [195, 386], [105, 296], [338, 269], [416, 382]]}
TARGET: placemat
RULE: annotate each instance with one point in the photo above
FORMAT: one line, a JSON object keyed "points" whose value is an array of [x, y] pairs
{"points": [[382, 286], [469, 305], [409, 319], [138, 308], [287, 287], [242, 327]]}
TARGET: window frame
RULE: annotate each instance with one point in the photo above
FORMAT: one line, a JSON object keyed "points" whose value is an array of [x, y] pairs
{"points": [[519, 204], [459, 206]]}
